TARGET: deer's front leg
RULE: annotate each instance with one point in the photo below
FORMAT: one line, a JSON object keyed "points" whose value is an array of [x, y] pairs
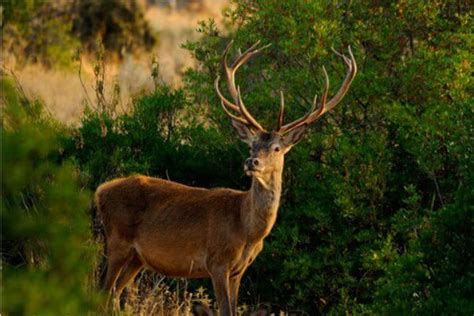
{"points": [[220, 281]]}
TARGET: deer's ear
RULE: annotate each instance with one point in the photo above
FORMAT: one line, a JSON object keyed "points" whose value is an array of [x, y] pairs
{"points": [[245, 133], [294, 136]]}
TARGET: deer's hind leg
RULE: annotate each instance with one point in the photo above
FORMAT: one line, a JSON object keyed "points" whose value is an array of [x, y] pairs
{"points": [[119, 254], [128, 272]]}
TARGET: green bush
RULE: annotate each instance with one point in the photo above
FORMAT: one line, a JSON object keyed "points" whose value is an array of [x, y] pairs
{"points": [[47, 251], [159, 137], [435, 272]]}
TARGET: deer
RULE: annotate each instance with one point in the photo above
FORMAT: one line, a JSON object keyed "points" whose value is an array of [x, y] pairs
{"points": [[191, 232]]}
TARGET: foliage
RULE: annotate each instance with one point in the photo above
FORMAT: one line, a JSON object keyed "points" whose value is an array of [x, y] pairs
{"points": [[435, 273], [158, 137], [47, 253]]}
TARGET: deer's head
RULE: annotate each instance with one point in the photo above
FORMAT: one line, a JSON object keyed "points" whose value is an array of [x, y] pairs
{"points": [[267, 149]]}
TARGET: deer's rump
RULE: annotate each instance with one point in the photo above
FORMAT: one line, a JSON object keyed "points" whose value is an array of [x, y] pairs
{"points": [[121, 204]]}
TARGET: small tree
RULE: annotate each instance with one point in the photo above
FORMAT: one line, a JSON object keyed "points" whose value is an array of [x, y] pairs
{"points": [[47, 251]]}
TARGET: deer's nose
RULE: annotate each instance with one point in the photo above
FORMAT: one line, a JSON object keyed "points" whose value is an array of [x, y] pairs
{"points": [[252, 162]]}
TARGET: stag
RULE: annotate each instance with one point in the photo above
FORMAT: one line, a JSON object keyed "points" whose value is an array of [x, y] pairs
{"points": [[182, 231]]}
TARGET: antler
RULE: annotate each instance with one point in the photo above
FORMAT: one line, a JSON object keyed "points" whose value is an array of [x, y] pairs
{"points": [[238, 106], [314, 113]]}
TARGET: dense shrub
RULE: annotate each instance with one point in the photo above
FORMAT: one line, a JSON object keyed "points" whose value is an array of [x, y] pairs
{"points": [[160, 136], [47, 251], [435, 272]]}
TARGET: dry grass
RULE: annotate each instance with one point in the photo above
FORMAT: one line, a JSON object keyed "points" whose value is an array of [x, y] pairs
{"points": [[150, 295], [62, 91], [174, 28]]}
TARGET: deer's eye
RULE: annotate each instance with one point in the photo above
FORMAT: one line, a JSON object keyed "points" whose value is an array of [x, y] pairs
{"points": [[277, 148]]}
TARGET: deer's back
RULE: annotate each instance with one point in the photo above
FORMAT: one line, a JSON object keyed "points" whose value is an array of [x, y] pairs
{"points": [[124, 203]]}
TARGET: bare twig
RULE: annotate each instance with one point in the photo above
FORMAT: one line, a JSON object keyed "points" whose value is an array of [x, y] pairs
{"points": [[438, 190], [82, 82]]}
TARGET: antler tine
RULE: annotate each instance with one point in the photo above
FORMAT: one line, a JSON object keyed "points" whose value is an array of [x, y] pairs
{"points": [[313, 115], [243, 58], [326, 89], [238, 105], [240, 60], [241, 55], [282, 111], [230, 72], [235, 117], [225, 103], [301, 121], [241, 109], [346, 60], [246, 113], [351, 72], [223, 99]]}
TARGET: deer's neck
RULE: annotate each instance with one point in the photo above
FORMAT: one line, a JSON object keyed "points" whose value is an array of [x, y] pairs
{"points": [[263, 201]]}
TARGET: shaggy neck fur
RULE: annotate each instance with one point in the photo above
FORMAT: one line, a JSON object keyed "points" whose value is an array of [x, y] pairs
{"points": [[262, 204]]}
